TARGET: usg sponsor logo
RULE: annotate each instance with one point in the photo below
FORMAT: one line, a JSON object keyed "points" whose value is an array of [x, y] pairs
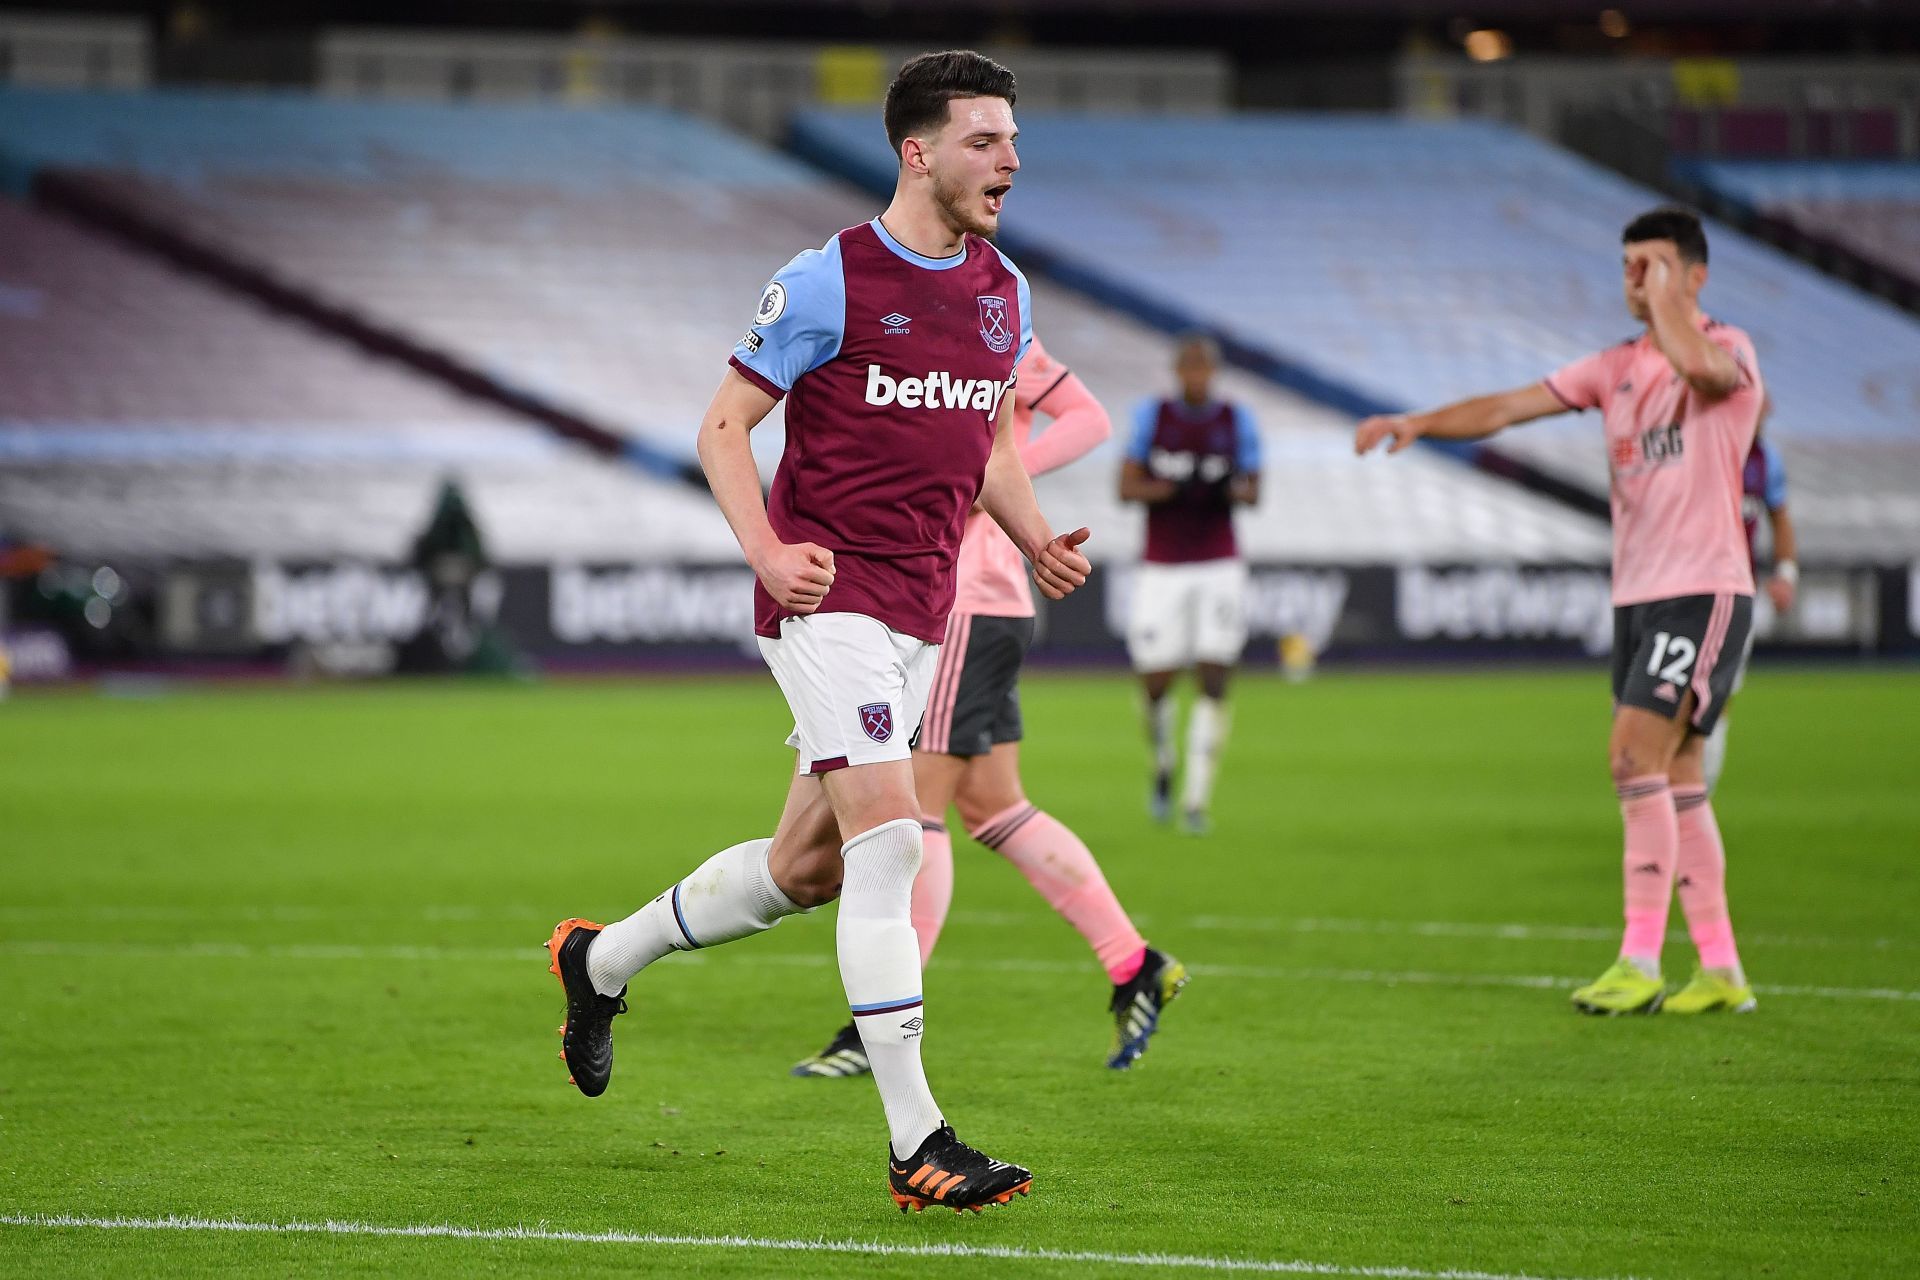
{"points": [[337, 604], [938, 390], [656, 604], [1506, 604]]}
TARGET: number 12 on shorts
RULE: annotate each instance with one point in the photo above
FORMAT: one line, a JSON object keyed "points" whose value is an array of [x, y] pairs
{"points": [[1682, 652]]}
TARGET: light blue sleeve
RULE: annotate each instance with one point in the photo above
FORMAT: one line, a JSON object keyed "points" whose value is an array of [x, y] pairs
{"points": [[1146, 417], [1247, 444], [1026, 315], [1776, 483], [801, 319]]}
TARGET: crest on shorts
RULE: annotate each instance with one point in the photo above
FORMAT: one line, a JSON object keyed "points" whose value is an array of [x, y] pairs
{"points": [[993, 324], [876, 719]]}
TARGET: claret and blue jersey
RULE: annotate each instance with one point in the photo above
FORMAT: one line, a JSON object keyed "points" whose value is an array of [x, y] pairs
{"points": [[894, 366], [1199, 448], [1763, 488]]}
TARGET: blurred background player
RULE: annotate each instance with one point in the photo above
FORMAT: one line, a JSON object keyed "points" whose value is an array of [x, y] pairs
{"points": [[1191, 459], [854, 554], [1763, 484], [1681, 408], [968, 752]]}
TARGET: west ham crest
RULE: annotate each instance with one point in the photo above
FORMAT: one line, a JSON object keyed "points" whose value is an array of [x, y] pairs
{"points": [[876, 718], [994, 330]]}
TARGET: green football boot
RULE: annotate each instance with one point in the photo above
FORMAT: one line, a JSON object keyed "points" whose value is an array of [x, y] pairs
{"points": [[1712, 991], [1621, 989]]}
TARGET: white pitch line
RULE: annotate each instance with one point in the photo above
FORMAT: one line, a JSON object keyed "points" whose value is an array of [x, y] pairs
{"points": [[876, 1248], [1499, 931], [812, 960], [1495, 930]]}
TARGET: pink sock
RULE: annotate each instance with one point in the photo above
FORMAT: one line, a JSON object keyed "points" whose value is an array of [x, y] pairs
{"points": [[1653, 838], [1702, 879], [933, 887], [1055, 862]]}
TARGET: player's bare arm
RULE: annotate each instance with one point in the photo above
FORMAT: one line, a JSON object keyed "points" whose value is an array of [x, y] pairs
{"points": [[1244, 489], [1670, 288], [1785, 582], [1473, 419], [1007, 495], [1137, 484], [796, 575]]}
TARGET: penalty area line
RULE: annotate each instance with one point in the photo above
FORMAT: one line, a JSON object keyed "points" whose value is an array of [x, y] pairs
{"points": [[873, 1248]]}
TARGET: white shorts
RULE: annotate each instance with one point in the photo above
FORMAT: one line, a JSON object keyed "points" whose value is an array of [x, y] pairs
{"points": [[857, 688], [1187, 613]]}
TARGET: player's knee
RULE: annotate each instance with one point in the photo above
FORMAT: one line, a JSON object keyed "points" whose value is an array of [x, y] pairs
{"points": [[1627, 760], [976, 810], [810, 876], [1689, 767]]}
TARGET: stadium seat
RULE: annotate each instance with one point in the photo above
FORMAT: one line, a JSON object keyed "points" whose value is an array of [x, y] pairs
{"points": [[608, 259], [1416, 262], [144, 412]]}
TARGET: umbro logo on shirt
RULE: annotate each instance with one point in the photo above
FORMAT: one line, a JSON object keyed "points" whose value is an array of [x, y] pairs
{"points": [[896, 323]]}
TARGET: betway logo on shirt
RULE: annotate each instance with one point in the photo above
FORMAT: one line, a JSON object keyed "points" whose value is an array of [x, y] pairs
{"points": [[938, 390]]}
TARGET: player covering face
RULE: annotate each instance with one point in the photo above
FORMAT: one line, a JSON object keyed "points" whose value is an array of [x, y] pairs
{"points": [[894, 346], [1681, 404]]}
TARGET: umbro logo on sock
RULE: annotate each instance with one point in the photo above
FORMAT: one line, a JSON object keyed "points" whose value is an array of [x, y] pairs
{"points": [[912, 1027], [1647, 869]]}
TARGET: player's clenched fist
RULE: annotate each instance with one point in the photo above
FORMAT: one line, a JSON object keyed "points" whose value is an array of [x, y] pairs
{"points": [[1397, 426], [1060, 567], [797, 575]]}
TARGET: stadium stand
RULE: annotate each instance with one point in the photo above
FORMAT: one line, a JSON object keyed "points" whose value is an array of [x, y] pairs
{"points": [[605, 259], [143, 411], [1403, 264], [1871, 207]]}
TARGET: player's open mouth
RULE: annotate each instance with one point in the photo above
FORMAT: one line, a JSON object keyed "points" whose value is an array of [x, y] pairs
{"points": [[997, 195]]}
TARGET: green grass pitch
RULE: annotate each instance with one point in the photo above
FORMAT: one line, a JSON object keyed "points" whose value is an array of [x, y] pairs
{"points": [[273, 956]]}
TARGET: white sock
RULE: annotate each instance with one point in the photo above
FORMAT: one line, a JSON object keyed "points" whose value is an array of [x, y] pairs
{"points": [[1206, 733], [730, 895], [880, 968], [1716, 752], [1159, 714]]}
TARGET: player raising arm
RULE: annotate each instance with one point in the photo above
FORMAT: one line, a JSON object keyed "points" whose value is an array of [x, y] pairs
{"points": [[1681, 403]]}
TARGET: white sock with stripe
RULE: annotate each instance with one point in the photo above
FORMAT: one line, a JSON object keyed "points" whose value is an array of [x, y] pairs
{"points": [[1206, 734], [1159, 715], [730, 895], [880, 969]]}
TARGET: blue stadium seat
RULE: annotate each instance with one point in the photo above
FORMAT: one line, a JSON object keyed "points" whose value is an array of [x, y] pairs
{"points": [[1412, 263]]}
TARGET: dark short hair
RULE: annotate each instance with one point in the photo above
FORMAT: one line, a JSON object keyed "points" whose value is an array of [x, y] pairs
{"points": [[918, 97], [1682, 226], [1197, 340]]}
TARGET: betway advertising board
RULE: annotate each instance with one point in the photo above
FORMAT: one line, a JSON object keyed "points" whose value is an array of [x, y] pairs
{"points": [[581, 614]]}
